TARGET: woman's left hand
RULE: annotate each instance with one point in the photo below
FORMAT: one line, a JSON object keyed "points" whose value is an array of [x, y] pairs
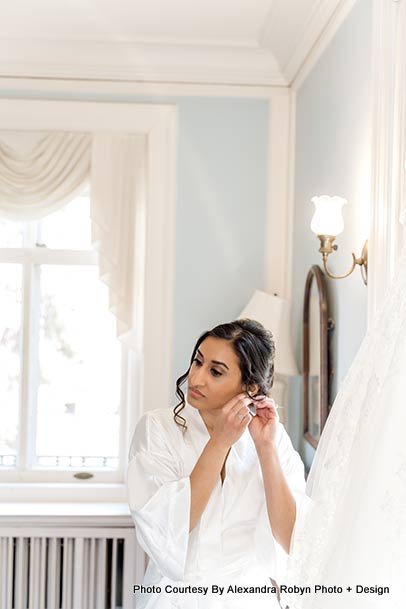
{"points": [[264, 424]]}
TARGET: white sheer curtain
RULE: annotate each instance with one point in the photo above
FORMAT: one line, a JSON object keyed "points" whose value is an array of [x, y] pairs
{"points": [[38, 177], [117, 204]]}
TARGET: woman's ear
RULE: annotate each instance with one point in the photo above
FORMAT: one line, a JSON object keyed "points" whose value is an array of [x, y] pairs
{"points": [[252, 389]]}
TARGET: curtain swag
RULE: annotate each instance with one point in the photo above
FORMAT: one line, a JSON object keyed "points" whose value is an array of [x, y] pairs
{"points": [[44, 178]]}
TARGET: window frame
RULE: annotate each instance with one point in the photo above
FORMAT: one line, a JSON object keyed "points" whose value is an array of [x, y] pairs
{"points": [[150, 353], [30, 258]]}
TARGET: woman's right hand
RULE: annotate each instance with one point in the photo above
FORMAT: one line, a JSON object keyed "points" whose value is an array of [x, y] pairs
{"points": [[232, 421]]}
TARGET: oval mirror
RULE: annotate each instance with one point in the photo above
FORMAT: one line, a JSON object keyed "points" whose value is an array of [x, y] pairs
{"points": [[315, 356]]}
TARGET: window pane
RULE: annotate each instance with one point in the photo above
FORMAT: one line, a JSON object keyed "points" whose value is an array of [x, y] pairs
{"points": [[10, 332], [69, 227], [11, 233], [80, 371]]}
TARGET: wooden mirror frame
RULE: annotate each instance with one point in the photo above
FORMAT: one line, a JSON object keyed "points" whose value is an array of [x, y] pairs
{"points": [[316, 274]]}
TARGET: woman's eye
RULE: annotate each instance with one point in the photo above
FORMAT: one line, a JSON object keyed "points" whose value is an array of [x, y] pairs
{"points": [[215, 372]]}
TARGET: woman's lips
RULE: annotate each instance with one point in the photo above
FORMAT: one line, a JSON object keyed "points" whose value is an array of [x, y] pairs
{"points": [[195, 393]]}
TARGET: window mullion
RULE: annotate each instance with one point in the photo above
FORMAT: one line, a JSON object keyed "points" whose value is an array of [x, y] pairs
{"points": [[27, 424], [25, 366], [34, 359]]}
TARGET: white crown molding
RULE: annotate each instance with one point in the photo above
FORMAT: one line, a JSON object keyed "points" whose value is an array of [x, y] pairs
{"points": [[101, 38], [264, 35], [240, 65], [43, 87], [325, 21], [197, 60]]}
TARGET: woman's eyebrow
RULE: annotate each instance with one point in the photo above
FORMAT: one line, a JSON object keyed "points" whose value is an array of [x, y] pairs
{"points": [[220, 363], [213, 361]]}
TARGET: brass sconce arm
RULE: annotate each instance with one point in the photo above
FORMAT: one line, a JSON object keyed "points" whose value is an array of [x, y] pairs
{"points": [[327, 246]]}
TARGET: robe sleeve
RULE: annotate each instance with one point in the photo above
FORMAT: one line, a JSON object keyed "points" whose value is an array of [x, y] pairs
{"points": [[268, 549], [159, 498]]}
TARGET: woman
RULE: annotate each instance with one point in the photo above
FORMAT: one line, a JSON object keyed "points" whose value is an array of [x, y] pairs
{"points": [[212, 486]]}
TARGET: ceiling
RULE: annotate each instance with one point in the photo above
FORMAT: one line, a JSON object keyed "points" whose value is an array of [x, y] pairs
{"points": [[254, 42]]}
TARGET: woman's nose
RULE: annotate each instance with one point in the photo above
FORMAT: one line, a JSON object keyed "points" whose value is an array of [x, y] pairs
{"points": [[198, 377]]}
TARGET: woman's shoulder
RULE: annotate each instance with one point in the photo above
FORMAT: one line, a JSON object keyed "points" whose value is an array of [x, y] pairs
{"points": [[162, 417], [154, 430]]}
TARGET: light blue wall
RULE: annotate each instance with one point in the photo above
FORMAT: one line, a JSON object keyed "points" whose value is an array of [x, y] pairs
{"points": [[333, 157], [220, 215], [221, 208]]}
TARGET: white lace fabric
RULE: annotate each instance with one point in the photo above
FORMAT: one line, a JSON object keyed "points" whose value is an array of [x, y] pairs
{"points": [[354, 530]]}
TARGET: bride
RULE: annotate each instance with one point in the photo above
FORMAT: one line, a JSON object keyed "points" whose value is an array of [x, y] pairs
{"points": [[353, 533]]}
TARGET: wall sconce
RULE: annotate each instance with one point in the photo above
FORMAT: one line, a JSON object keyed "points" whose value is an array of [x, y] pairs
{"points": [[327, 223]]}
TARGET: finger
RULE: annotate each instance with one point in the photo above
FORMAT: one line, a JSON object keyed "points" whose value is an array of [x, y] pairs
{"points": [[234, 401], [267, 400], [267, 403], [267, 413], [243, 411], [243, 401], [256, 402], [245, 419]]}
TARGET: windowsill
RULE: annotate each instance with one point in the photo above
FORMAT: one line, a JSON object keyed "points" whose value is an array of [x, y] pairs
{"points": [[68, 493], [45, 514]]}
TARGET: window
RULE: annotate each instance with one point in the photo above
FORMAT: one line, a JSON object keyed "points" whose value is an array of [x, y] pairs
{"points": [[62, 369]]}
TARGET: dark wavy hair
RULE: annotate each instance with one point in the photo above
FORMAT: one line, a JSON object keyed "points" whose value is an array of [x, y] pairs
{"points": [[255, 348]]}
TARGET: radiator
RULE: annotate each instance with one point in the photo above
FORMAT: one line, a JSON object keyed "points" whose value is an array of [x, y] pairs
{"points": [[67, 568]]}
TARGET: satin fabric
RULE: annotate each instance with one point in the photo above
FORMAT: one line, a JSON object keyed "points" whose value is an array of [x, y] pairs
{"points": [[232, 543]]}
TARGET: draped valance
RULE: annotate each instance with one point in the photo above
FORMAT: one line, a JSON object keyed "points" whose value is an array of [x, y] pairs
{"points": [[36, 180]]}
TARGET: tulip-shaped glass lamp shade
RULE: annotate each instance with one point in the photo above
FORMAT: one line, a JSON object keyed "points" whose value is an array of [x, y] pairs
{"points": [[327, 223], [328, 218]]}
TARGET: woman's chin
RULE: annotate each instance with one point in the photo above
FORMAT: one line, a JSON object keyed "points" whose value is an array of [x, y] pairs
{"points": [[192, 400], [194, 404]]}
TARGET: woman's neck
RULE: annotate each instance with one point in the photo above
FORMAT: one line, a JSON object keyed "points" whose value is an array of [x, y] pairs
{"points": [[210, 418]]}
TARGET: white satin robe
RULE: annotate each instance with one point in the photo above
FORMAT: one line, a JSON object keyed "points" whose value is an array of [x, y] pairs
{"points": [[232, 543]]}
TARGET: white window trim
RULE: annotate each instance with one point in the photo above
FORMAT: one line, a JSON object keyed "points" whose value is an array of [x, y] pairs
{"points": [[152, 359]]}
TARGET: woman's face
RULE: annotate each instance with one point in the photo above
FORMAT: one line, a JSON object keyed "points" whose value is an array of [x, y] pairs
{"points": [[215, 375]]}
